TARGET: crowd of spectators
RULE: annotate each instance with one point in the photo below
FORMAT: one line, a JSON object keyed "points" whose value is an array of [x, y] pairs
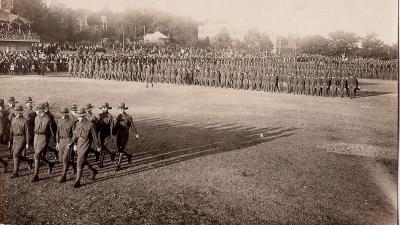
{"points": [[12, 33]]}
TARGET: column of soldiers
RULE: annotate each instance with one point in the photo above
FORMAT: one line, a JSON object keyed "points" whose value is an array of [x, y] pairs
{"points": [[77, 133], [263, 74]]}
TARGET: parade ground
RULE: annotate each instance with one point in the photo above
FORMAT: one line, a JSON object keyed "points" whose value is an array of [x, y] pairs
{"points": [[219, 156]]}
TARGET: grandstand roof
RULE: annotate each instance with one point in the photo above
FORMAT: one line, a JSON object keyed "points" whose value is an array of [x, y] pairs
{"points": [[7, 17]]}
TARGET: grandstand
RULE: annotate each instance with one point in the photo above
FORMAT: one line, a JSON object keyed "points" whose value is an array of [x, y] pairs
{"points": [[15, 31]]}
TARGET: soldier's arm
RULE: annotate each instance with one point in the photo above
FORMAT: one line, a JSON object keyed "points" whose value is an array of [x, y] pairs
{"points": [[58, 134], [52, 131], [11, 135], [111, 125], [133, 127], [74, 138], [27, 133], [94, 136]]}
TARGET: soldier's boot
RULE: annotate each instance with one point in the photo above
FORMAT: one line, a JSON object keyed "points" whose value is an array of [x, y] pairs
{"points": [[101, 165], [64, 173], [5, 165], [130, 156], [96, 154], [77, 183], [36, 176], [29, 161], [50, 165], [63, 178], [93, 170], [14, 175], [16, 167], [121, 155]]}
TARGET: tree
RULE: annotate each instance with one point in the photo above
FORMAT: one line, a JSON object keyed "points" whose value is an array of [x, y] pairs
{"points": [[372, 47], [315, 44], [223, 39], [343, 42], [266, 44]]}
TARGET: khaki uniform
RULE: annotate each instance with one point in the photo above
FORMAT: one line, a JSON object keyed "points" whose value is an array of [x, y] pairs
{"points": [[65, 129], [19, 136]]}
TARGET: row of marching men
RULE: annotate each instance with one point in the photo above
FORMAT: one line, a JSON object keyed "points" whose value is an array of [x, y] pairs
{"points": [[77, 133]]}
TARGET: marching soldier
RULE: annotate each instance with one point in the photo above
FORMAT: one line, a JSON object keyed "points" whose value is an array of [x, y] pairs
{"points": [[19, 139], [123, 124], [84, 136], [105, 130], [29, 115], [53, 125], [43, 133], [92, 118], [65, 129]]}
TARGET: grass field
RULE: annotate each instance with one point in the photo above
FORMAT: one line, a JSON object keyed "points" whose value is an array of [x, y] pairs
{"points": [[202, 159]]}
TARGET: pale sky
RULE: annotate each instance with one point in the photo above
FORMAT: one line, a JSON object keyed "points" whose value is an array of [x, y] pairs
{"points": [[276, 17]]}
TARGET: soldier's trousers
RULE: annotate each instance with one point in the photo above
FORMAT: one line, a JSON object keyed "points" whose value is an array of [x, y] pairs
{"points": [[40, 145], [18, 146], [333, 91], [64, 154], [325, 90], [342, 91], [352, 92]]}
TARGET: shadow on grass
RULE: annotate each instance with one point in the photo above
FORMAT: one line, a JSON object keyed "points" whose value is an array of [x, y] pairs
{"points": [[168, 142], [362, 94], [165, 142]]}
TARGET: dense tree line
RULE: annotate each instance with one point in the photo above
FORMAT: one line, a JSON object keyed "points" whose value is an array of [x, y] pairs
{"points": [[64, 24], [349, 44]]}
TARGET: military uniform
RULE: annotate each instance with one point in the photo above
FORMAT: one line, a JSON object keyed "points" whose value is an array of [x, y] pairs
{"points": [[43, 133], [19, 139], [123, 123], [105, 128], [64, 134], [84, 136]]}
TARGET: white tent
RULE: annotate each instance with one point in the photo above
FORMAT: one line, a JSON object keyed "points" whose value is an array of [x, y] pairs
{"points": [[156, 37]]}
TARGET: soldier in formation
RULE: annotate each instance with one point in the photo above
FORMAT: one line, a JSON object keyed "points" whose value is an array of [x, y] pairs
{"points": [[274, 74]]}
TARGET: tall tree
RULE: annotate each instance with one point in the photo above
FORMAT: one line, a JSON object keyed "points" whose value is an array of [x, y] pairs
{"points": [[315, 44], [343, 42], [223, 39]]}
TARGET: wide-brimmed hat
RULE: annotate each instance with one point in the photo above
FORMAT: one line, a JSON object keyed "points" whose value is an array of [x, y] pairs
{"points": [[81, 112], [73, 108], [122, 106], [40, 107], [46, 105], [28, 100], [19, 109], [64, 111], [12, 100], [105, 106], [89, 106]]}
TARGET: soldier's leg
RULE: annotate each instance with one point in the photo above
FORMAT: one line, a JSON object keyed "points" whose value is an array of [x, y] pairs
{"points": [[79, 163], [40, 152], [4, 164], [104, 151], [96, 154], [64, 158], [16, 155], [122, 152]]}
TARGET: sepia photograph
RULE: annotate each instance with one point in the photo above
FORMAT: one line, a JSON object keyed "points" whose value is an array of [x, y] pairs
{"points": [[211, 112]]}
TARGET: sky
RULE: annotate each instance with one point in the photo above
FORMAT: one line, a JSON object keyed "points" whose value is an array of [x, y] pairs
{"points": [[275, 17]]}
